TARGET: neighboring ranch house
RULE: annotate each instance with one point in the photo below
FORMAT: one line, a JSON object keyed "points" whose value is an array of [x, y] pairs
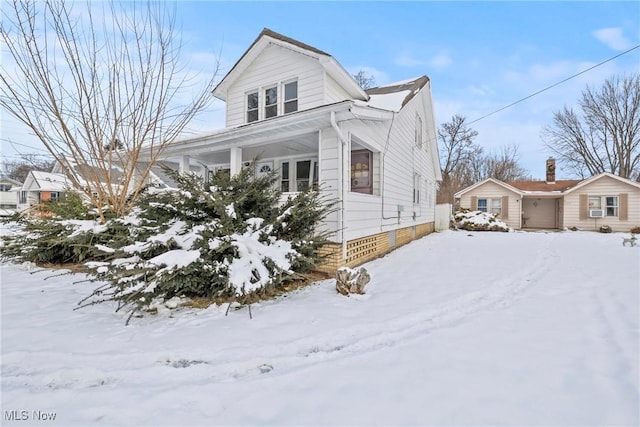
{"points": [[41, 187], [298, 111], [9, 189], [604, 199]]}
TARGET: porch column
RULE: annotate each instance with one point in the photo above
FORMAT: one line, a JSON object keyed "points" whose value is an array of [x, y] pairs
{"points": [[236, 161], [184, 164]]}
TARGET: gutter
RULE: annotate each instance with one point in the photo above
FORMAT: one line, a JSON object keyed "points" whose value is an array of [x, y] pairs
{"points": [[342, 192]]}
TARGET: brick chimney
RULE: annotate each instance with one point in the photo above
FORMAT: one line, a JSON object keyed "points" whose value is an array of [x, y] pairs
{"points": [[551, 170]]}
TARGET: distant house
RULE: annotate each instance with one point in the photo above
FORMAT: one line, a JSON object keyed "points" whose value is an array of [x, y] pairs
{"points": [[9, 189], [297, 110], [604, 199], [42, 187]]}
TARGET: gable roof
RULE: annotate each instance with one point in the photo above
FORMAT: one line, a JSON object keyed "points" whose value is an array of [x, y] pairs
{"points": [[561, 186], [267, 37], [603, 175], [4, 178], [536, 186], [48, 181], [493, 180]]}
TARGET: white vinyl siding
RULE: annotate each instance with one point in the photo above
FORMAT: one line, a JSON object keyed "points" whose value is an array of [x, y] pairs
{"points": [[276, 64], [400, 161], [600, 188], [509, 201], [333, 91]]}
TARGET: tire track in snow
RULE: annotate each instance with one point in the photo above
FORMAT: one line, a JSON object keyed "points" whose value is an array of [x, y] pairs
{"points": [[317, 349], [279, 359]]}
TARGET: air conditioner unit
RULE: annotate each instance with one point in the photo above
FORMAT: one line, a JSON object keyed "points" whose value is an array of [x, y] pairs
{"points": [[596, 213]]}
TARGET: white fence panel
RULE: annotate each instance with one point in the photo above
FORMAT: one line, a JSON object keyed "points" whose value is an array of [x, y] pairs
{"points": [[443, 216]]}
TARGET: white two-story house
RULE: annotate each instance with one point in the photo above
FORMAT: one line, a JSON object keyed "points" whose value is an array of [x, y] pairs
{"points": [[298, 111]]}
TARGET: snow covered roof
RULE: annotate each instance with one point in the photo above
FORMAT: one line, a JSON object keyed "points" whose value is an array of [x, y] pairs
{"points": [[394, 96], [48, 181], [6, 179]]}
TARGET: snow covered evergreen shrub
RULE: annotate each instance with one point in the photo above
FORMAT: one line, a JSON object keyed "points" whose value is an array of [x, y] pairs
{"points": [[469, 220], [232, 240]]}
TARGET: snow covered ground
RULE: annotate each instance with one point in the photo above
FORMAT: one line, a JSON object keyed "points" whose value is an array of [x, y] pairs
{"points": [[457, 328]]}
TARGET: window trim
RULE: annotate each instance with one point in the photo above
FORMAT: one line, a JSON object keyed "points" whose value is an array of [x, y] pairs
{"points": [[255, 110], [486, 204], [293, 173], [273, 105], [493, 208], [417, 183], [602, 204], [286, 101], [368, 189]]}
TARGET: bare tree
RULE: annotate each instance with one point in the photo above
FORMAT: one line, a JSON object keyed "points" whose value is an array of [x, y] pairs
{"points": [[98, 83], [457, 156], [503, 165], [605, 135], [365, 81], [19, 169]]}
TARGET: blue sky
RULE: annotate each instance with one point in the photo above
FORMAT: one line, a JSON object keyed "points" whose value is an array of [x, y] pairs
{"points": [[480, 56]]}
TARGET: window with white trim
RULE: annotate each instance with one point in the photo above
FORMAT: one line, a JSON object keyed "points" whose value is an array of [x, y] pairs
{"points": [[252, 107], [271, 102], [362, 171], [416, 188], [23, 197], [290, 97], [298, 175], [496, 206], [482, 205], [611, 204]]}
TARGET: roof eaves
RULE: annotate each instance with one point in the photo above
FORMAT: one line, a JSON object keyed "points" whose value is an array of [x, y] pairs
{"points": [[266, 32]]}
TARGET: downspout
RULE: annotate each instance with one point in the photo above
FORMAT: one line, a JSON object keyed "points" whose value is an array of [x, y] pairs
{"points": [[342, 192]]}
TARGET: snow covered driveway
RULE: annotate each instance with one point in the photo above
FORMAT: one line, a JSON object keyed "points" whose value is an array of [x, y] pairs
{"points": [[455, 329]]}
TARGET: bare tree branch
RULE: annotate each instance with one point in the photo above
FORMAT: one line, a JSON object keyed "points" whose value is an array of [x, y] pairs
{"points": [[97, 86], [606, 136]]}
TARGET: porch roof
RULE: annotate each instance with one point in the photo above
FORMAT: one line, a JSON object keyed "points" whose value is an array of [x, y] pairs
{"points": [[280, 127]]}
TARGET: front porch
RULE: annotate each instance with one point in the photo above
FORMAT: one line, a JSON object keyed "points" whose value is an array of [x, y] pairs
{"points": [[540, 212]]}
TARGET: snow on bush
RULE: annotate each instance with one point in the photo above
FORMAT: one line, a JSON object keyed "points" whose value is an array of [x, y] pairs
{"points": [[468, 220], [233, 240]]}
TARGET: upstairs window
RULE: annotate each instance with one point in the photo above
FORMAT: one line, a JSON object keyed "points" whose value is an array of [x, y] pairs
{"points": [[252, 107], [290, 97], [271, 102]]}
